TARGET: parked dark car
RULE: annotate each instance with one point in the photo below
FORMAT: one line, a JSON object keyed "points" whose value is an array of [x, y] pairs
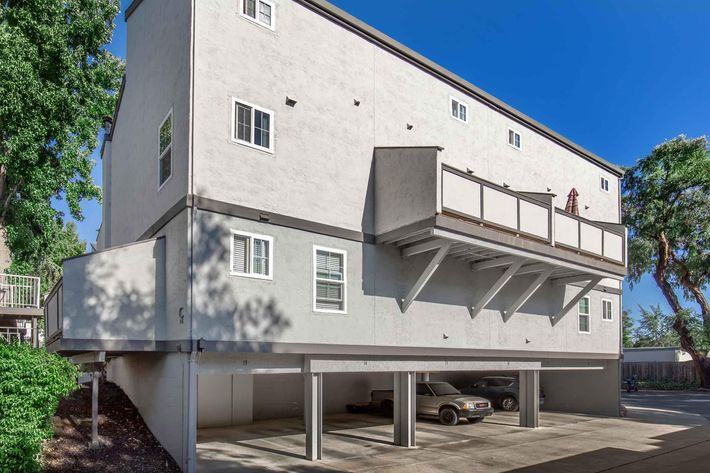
{"points": [[501, 390]]}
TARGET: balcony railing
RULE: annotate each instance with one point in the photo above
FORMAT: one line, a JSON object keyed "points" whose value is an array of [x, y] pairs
{"points": [[14, 334], [476, 199], [19, 292]]}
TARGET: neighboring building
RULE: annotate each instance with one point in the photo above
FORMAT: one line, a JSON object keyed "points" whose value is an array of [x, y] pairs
{"points": [[290, 195], [667, 354], [20, 308]]}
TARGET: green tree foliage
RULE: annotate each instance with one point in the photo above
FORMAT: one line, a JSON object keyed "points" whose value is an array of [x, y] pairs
{"points": [[46, 262], [667, 209], [628, 329], [31, 383], [655, 329], [57, 81]]}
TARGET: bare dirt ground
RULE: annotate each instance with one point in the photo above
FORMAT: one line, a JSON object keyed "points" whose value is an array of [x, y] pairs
{"points": [[127, 444]]}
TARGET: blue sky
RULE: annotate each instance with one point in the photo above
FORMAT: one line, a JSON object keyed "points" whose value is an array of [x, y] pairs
{"points": [[615, 76]]}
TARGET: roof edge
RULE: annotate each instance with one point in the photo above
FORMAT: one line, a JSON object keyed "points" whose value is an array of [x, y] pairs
{"points": [[343, 17], [346, 19]]}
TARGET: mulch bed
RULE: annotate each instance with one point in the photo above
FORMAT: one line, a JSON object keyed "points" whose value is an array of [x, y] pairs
{"points": [[126, 443]]}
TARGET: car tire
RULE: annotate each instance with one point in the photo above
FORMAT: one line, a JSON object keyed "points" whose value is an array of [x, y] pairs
{"points": [[475, 420], [449, 416], [509, 403]]}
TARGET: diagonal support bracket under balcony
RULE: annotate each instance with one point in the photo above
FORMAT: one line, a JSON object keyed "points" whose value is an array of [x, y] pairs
{"points": [[575, 300], [527, 293], [514, 267], [426, 275]]}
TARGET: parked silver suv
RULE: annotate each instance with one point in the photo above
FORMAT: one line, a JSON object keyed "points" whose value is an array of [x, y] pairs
{"points": [[441, 400]]}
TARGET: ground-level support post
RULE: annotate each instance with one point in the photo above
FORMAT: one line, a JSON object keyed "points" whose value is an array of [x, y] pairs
{"points": [[529, 398], [95, 409], [313, 415], [35, 333], [405, 405]]}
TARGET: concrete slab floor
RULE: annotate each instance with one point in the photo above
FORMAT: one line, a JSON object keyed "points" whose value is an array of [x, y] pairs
{"points": [[647, 440]]}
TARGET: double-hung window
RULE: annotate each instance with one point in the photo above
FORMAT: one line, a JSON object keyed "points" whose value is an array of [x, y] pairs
{"points": [[583, 311], [459, 110], [606, 310], [330, 270], [259, 11], [251, 255], [253, 126], [165, 149], [604, 183], [514, 139]]}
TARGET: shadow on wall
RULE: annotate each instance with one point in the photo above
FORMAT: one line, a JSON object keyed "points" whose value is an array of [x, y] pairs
{"points": [[257, 320], [111, 298], [388, 275]]}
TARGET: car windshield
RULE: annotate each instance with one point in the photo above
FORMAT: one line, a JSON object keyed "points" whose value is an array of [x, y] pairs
{"points": [[443, 389]]}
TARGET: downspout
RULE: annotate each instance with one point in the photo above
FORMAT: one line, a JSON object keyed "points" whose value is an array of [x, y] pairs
{"points": [[191, 433]]}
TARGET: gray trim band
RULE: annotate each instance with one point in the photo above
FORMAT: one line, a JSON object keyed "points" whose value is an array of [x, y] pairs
{"points": [[234, 210], [84, 345]]}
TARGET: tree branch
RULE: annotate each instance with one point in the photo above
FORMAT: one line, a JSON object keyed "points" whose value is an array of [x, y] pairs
{"points": [[686, 340], [8, 199]]}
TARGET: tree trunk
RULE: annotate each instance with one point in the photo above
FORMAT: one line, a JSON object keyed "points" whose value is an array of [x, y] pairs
{"points": [[701, 361], [4, 251]]}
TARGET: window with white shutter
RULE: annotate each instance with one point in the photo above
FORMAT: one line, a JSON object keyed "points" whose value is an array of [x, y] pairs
{"points": [[252, 125], [165, 149], [330, 280], [459, 110], [583, 314], [251, 255], [607, 310], [514, 139], [260, 12]]}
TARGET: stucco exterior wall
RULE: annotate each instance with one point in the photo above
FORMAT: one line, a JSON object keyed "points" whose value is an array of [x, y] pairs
{"points": [[665, 354], [157, 79], [234, 308], [322, 162], [116, 294], [154, 383]]}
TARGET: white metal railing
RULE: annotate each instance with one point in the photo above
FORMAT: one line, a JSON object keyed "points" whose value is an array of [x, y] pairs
{"points": [[19, 291], [12, 334]]}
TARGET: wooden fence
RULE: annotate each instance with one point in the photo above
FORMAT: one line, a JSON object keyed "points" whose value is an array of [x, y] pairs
{"points": [[677, 371]]}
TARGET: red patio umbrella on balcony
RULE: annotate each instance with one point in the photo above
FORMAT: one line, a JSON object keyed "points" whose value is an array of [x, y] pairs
{"points": [[572, 203]]}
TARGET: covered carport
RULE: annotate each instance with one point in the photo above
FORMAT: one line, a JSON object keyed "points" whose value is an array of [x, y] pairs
{"points": [[249, 371]]}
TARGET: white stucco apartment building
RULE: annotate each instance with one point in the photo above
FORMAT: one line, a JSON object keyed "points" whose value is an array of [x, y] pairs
{"points": [[298, 210]]}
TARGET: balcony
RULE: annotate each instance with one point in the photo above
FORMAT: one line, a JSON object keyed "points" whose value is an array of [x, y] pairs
{"points": [[19, 292], [425, 206], [19, 308]]}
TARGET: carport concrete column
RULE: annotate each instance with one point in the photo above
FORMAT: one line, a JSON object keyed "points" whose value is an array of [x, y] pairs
{"points": [[405, 405], [313, 415], [529, 398]]}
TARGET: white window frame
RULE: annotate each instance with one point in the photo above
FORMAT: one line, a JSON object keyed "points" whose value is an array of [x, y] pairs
{"points": [[272, 26], [460, 102], [169, 147], [317, 248], [250, 262], [254, 107], [588, 315], [608, 184], [611, 310], [520, 138]]}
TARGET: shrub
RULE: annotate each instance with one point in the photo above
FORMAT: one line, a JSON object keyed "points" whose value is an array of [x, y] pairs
{"points": [[669, 385], [31, 383]]}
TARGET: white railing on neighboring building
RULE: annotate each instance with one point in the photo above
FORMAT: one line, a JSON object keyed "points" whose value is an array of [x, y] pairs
{"points": [[19, 292], [13, 334]]}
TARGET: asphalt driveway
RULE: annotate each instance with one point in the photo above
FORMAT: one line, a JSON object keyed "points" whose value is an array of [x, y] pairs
{"points": [[656, 436], [694, 402]]}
